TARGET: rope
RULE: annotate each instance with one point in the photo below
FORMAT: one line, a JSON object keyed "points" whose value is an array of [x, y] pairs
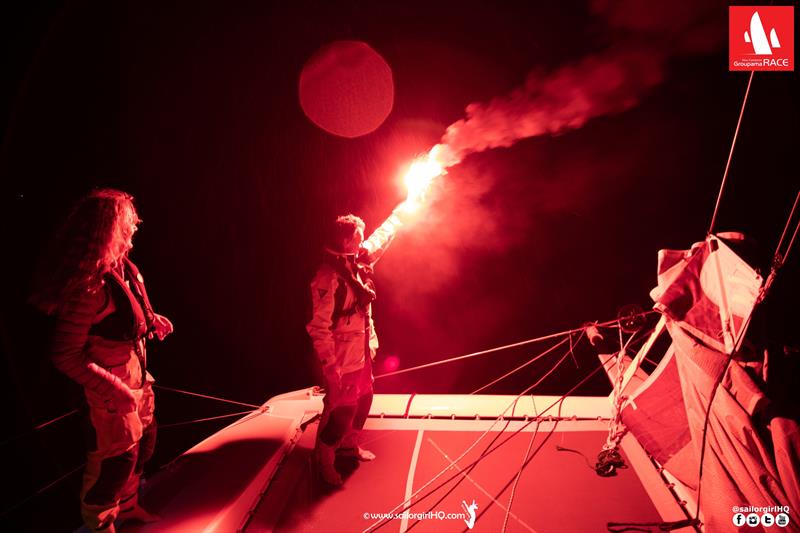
{"points": [[586, 459], [730, 154], [480, 488], [207, 397], [45, 424], [466, 475], [507, 346], [162, 426], [762, 294], [40, 426], [41, 490], [475, 354], [533, 455], [520, 367], [616, 429], [786, 226], [516, 479], [382, 522], [794, 236], [474, 464]]}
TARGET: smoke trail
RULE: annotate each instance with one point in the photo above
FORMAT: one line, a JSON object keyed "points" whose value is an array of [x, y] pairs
{"points": [[609, 82], [496, 247], [551, 104]]}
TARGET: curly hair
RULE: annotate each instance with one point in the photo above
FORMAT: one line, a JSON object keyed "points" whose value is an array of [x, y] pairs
{"points": [[342, 229], [94, 239]]}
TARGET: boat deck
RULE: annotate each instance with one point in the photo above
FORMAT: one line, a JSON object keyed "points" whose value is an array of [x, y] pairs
{"points": [[258, 474]]}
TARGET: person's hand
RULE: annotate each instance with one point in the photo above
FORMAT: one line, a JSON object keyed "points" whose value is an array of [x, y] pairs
{"points": [[163, 327], [333, 382], [406, 209], [123, 401]]}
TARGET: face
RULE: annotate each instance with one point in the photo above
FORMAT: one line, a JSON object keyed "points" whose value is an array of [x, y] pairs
{"points": [[351, 245], [128, 226]]}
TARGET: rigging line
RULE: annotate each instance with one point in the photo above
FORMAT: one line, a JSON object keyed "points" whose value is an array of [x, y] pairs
{"points": [[791, 242], [480, 488], [520, 367], [559, 401], [605, 324], [38, 427], [407, 502], [499, 434], [730, 154], [511, 436], [19, 504], [788, 223], [527, 461], [718, 381], [45, 424], [519, 474], [740, 338], [475, 354], [572, 347], [162, 426], [207, 396], [380, 523], [251, 414], [779, 259], [467, 471]]}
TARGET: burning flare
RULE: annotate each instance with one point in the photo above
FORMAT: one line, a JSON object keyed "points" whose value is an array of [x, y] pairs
{"points": [[420, 176]]}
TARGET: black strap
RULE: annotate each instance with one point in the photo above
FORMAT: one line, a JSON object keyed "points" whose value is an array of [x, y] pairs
{"points": [[138, 289], [364, 291]]}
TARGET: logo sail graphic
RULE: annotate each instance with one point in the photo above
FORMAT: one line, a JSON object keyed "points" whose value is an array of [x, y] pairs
{"points": [[759, 39]]}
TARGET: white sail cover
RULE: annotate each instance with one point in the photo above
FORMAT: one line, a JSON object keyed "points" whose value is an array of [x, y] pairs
{"points": [[708, 290], [752, 457]]}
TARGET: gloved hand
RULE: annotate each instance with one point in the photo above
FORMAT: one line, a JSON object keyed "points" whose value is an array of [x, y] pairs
{"points": [[122, 400], [162, 327], [404, 211], [333, 382]]}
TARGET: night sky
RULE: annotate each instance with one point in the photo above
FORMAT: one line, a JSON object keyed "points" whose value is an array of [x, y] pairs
{"points": [[193, 108]]}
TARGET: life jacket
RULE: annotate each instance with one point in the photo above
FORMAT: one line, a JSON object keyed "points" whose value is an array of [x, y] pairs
{"points": [[133, 315], [363, 290]]}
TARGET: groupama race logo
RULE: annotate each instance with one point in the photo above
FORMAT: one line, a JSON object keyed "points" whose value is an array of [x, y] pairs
{"points": [[761, 38]]}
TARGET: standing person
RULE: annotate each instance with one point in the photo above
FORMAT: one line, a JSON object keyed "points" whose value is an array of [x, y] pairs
{"points": [[343, 335], [103, 317]]}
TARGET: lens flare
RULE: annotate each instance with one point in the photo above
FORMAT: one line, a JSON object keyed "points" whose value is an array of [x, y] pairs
{"points": [[391, 363]]}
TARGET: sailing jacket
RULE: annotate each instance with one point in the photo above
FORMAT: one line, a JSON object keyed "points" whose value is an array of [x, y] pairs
{"points": [[341, 327], [99, 336]]}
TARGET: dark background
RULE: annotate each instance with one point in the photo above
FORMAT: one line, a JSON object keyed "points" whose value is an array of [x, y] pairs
{"points": [[192, 107]]}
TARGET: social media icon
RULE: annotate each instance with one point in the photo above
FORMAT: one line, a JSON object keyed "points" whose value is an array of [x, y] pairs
{"points": [[753, 520], [767, 519], [738, 519], [782, 520]]}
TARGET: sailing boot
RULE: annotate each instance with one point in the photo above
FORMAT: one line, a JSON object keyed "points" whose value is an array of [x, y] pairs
{"points": [[139, 514], [326, 456], [358, 452]]}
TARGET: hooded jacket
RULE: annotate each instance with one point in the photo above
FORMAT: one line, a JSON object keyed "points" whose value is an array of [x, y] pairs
{"points": [[341, 328]]}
